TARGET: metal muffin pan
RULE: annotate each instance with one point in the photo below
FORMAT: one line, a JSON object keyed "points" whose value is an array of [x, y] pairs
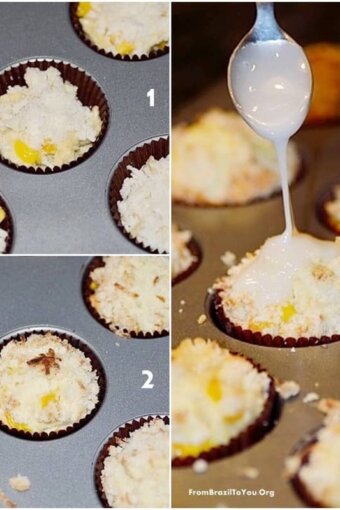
{"points": [[45, 292], [69, 212], [242, 229]]}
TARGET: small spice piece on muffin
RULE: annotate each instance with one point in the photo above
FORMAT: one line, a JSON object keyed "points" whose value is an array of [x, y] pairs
{"points": [[27, 135], [20, 483], [182, 257], [216, 396], [131, 294], [3, 232], [332, 209], [219, 160], [290, 293], [136, 472], [46, 384], [324, 59], [126, 28], [144, 208]]}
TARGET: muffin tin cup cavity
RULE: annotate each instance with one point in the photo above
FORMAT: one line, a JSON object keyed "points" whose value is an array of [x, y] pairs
{"points": [[120, 435], [96, 365], [7, 225], [321, 212], [127, 58], [251, 435], [257, 338], [196, 251], [136, 158], [87, 292], [89, 94]]}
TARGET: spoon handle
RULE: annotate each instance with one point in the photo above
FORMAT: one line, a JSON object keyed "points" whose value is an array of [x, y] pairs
{"points": [[266, 27]]}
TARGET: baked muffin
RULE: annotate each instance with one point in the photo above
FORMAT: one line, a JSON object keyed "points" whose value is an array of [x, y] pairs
{"points": [[144, 207], [324, 59], [136, 468], [315, 468], [184, 254], [46, 384], [27, 135], [221, 402], [219, 160], [130, 295], [128, 28], [286, 291]]}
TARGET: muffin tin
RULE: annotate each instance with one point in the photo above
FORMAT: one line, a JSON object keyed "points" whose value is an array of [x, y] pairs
{"points": [[45, 293], [315, 368], [69, 212]]}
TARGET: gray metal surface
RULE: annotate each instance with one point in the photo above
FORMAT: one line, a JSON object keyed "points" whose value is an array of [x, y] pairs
{"points": [[46, 291], [314, 368], [68, 212]]}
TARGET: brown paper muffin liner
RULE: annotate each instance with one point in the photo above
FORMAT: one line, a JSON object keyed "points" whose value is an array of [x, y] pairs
{"points": [[321, 212], [251, 435], [7, 224], [96, 365], [196, 251], [127, 58], [120, 435], [87, 292], [257, 338], [136, 158], [298, 484], [89, 94]]}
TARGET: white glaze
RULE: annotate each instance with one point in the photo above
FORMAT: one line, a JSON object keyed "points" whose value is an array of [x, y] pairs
{"points": [[268, 279]]}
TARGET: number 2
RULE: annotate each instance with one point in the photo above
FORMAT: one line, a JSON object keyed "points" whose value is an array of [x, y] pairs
{"points": [[148, 385]]}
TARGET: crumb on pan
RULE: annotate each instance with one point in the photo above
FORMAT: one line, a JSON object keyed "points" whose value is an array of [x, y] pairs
{"points": [[202, 319], [250, 472], [288, 389], [20, 483], [200, 466], [311, 397], [228, 258]]}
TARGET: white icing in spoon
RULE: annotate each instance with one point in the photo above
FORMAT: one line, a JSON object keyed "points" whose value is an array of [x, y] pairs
{"points": [[271, 85]]}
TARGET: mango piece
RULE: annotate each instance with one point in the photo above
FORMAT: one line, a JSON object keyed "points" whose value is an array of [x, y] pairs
{"points": [[83, 9], [47, 398], [233, 418], [93, 285], [49, 148], [2, 214], [125, 47], [259, 326], [15, 425], [26, 153], [192, 450], [287, 312], [214, 389]]}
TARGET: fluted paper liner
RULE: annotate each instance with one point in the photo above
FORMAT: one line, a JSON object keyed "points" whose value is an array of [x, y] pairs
{"points": [[251, 435], [196, 251], [257, 338], [89, 94], [7, 225], [120, 435], [96, 365], [87, 292], [127, 58], [136, 158]]}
